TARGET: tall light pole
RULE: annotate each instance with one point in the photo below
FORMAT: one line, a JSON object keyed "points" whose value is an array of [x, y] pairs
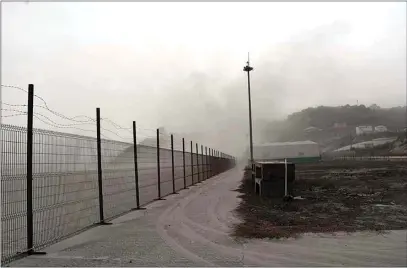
{"points": [[247, 69]]}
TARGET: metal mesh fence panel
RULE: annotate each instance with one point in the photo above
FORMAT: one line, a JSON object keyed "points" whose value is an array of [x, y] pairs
{"points": [[166, 171], [119, 187], [64, 185], [188, 166], [205, 165], [65, 195], [178, 170], [13, 191], [199, 166], [147, 170], [194, 168]]}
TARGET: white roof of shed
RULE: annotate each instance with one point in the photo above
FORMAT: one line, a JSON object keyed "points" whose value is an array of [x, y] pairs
{"points": [[279, 150]]}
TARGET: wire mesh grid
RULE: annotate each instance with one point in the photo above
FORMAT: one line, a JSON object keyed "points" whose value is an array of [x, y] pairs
{"points": [[119, 187], [65, 181], [197, 164], [65, 174], [179, 182], [13, 191], [147, 173], [166, 171], [178, 170], [165, 164], [64, 185], [188, 163]]}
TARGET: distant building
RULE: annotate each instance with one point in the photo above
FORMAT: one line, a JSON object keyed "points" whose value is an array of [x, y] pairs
{"points": [[380, 129], [340, 125], [311, 129], [364, 130]]}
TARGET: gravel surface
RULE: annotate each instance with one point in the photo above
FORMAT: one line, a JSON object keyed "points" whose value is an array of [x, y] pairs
{"points": [[193, 229], [336, 196]]}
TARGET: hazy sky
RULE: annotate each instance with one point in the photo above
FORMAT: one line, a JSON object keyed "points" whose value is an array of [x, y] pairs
{"points": [[180, 64]]}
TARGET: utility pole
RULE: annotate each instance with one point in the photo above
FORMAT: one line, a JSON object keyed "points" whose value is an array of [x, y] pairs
{"points": [[247, 69]]}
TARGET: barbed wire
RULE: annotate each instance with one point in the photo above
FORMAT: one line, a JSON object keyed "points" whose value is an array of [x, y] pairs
{"points": [[67, 118], [12, 115], [47, 118], [10, 86], [54, 124], [47, 108], [14, 105], [149, 139], [26, 91], [12, 110], [114, 124], [58, 126], [114, 133], [117, 126], [55, 113], [73, 119]]}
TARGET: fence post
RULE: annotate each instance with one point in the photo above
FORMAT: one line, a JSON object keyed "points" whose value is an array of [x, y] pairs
{"points": [[183, 162], [172, 163], [158, 166], [202, 163], [136, 166], [218, 162], [197, 161], [99, 155], [211, 161], [192, 165], [206, 162], [214, 163], [30, 217], [29, 193], [223, 162]]}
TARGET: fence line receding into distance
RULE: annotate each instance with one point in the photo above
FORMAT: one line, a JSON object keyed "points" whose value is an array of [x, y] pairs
{"points": [[56, 184]]}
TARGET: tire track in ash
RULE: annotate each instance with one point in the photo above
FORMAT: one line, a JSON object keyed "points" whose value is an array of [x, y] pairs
{"points": [[216, 200], [227, 251]]}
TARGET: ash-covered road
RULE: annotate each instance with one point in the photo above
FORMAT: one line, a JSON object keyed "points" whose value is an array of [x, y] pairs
{"points": [[192, 229]]}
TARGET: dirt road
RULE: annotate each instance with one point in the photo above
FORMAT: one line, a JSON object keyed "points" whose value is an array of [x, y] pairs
{"points": [[192, 229]]}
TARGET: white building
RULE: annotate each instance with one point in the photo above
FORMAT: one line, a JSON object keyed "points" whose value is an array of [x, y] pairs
{"points": [[298, 151], [311, 129], [363, 130], [380, 129]]}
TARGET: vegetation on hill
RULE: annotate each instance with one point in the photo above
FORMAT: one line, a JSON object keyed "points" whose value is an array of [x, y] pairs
{"points": [[324, 118]]}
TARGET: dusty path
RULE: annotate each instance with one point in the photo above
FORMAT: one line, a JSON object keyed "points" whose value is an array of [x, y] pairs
{"points": [[192, 229]]}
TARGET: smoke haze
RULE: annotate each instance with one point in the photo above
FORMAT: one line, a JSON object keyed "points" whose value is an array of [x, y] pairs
{"points": [[180, 65]]}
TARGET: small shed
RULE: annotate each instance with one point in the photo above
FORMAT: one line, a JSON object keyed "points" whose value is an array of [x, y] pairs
{"points": [[294, 152], [274, 178]]}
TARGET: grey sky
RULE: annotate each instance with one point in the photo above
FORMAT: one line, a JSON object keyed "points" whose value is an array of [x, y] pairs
{"points": [[180, 64]]}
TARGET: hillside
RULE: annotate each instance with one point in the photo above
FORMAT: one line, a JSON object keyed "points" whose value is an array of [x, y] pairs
{"points": [[333, 127]]}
